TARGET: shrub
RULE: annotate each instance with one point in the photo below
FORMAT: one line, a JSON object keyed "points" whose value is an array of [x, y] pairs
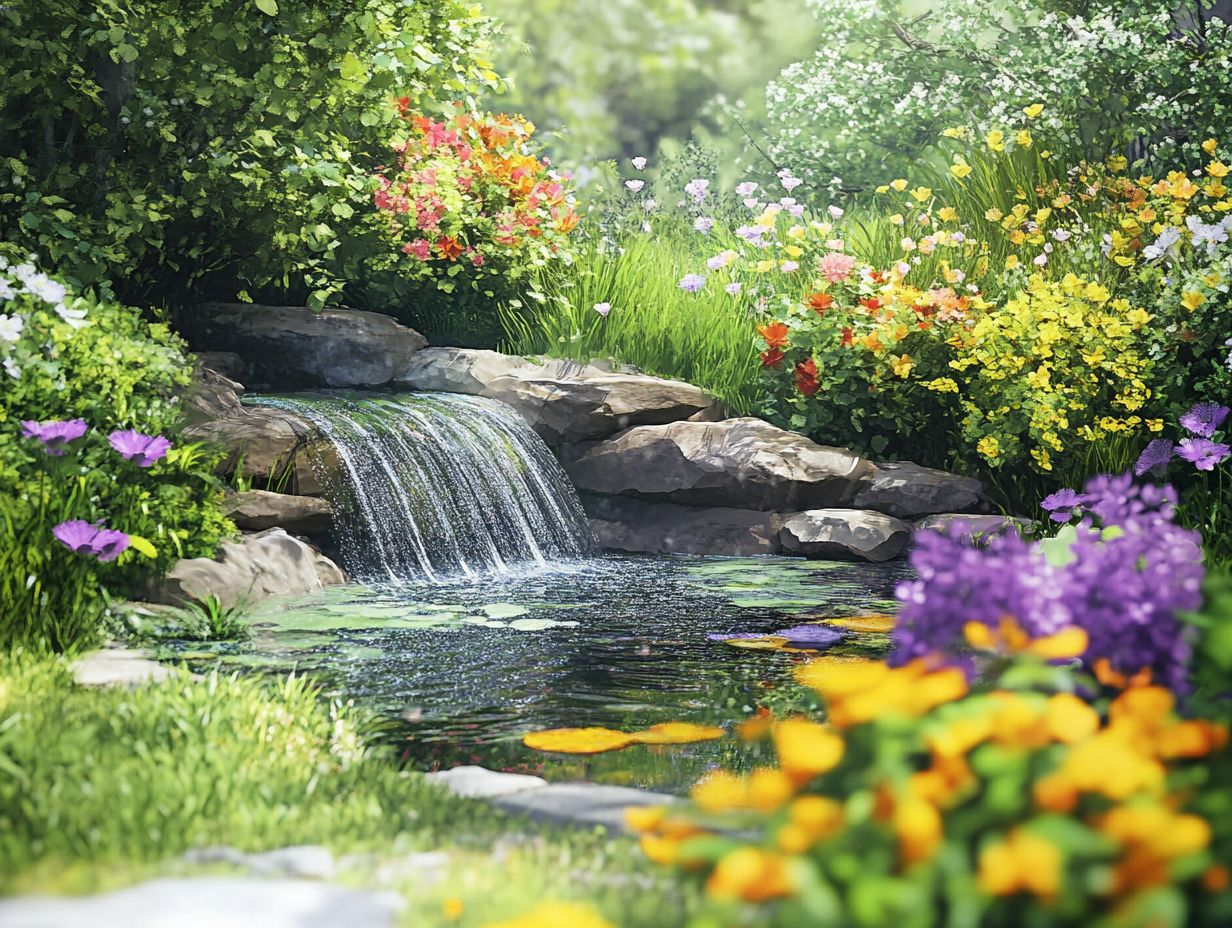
{"points": [[74, 359], [223, 147]]}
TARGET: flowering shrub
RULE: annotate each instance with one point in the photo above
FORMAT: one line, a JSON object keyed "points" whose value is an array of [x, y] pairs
{"points": [[89, 391], [1007, 796], [467, 198]]}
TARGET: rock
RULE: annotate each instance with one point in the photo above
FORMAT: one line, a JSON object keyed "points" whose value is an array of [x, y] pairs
{"points": [[213, 395], [909, 491], [471, 782], [257, 510], [116, 666], [292, 346], [743, 463], [227, 363], [564, 401], [621, 523], [270, 563], [974, 526], [584, 804], [844, 534], [263, 444], [305, 861], [231, 901]]}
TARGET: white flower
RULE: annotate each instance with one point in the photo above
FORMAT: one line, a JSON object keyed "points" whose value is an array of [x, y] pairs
{"points": [[10, 327], [835, 211], [747, 189], [74, 317], [734, 288], [12, 369], [635, 185], [1167, 238], [6, 290], [603, 309], [639, 163], [46, 289]]}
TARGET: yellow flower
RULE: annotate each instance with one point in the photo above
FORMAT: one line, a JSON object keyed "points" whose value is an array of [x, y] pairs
{"points": [[1217, 169], [1137, 317], [751, 874], [995, 140], [1070, 719], [960, 168], [900, 185], [1033, 110], [993, 214], [883, 188], [796, 232], [942, 385], [1023, 138], [794, 251], [947, 214], [955, 133], [922, 193], [989, 447], [1097, 293], [556, 915], [918, 826], [1045, 154], [896, 219], [806, 749], [452, 908], [902, 365], [1020, 863], [765, 266], [1011, 262], [1191, 299], [1209, 146], [1155, 425]]}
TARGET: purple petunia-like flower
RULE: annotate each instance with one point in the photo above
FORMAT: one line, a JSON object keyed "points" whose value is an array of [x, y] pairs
{"points": [[1204, 419], [142, 450], [88, 540], [1124, 589], [1060, 505], [54, 434], [1155, 457], [691, 283], [1203, 453]]}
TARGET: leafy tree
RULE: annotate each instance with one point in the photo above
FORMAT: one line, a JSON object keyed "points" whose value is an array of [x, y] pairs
{"points": [[220, 147]]}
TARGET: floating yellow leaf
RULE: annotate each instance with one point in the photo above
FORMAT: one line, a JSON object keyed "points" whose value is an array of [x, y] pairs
{"points": [[764, 643], [875, 624], [677, 733], [578, 740]]}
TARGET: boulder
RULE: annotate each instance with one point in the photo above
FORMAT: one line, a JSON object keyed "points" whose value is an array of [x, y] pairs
{"points": [[213, 395], [292, 346], [257, 510], [741, 463], [227, 363], [974, 527], [564, 401], [625, 524], [844, 534], [263, 444], [269, 563], [909, 491]]}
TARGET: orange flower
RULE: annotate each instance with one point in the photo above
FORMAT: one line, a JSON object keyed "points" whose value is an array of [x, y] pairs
{"points": [[1022, 862], [775, 334], [806, 749], [750, 874], [918, 826], [820, 302], [449, 248]]}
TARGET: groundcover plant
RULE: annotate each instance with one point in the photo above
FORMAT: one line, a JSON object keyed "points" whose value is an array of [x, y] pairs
{"points": [[874, 357]]}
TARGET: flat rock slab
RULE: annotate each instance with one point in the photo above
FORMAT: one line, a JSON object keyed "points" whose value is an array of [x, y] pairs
{"points": [[119, 667], [210, 902], [583, 804], [473, 782], [621, 523], [908, 491], [739, 463], [257, 510], [293, 346], [563, 401], [305, 861], [845, 534]]}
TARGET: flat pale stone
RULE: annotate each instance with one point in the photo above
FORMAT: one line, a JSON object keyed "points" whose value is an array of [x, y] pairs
{"points": [[118, 667], [304, 861], [845, 534], [209, 902], [473, 782], [584, 804]]}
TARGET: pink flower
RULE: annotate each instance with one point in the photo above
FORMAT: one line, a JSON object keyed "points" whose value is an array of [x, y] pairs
{"points": [[835, 266], [477, 259], [421, 248]]}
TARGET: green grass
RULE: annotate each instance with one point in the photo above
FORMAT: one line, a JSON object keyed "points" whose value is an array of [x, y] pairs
{"points": [[101, 787], [707, 338]]}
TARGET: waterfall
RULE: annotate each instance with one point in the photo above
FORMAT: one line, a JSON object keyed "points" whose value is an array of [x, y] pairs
{"points": [[437, 485]]}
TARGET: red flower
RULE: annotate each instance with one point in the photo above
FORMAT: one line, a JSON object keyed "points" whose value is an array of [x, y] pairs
{"points": [[404, 104], [771, 357], [806, 377], [820, 302], [775, 334], [870, 302], [845, 340], [449, 248]]}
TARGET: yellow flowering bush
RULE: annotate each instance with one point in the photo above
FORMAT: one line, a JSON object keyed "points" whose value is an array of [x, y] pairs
{"points": [[1061, 362]]}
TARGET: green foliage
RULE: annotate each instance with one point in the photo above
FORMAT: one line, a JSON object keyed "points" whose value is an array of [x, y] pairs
{"points": [[80, 358], [653, 324], [221, 148]]}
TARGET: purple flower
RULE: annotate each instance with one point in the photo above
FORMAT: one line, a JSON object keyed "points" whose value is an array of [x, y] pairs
{"points": [[691, 283], [746, 189], [142, 450], [1203, 453], [1204, 419], [1061, 505], [1155, 457], [603, 309], [734, 288], [812, 636], [697, 189], [751, 234], [54, 434], [789, 181], [703, 224], [80, 537]]}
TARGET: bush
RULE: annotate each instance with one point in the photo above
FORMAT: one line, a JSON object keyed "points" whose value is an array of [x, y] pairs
{"points": [[69, 358], [222, 148]]}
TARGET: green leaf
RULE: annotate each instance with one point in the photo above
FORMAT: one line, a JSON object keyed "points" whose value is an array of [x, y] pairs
{"points": [[125, 52], [268, 7], [142, 546]]}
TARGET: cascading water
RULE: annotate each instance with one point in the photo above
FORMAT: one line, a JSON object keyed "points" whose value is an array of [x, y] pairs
{"points": [[437, 485]]}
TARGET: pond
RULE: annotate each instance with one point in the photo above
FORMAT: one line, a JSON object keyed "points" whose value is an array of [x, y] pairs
{"points": [[464, 669]]}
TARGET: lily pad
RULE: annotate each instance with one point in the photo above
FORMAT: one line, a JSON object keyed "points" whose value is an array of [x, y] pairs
{"points": [[868, 624], [812, 636], [538, 625], [678, 733], [503, 610], [578, 740]]}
